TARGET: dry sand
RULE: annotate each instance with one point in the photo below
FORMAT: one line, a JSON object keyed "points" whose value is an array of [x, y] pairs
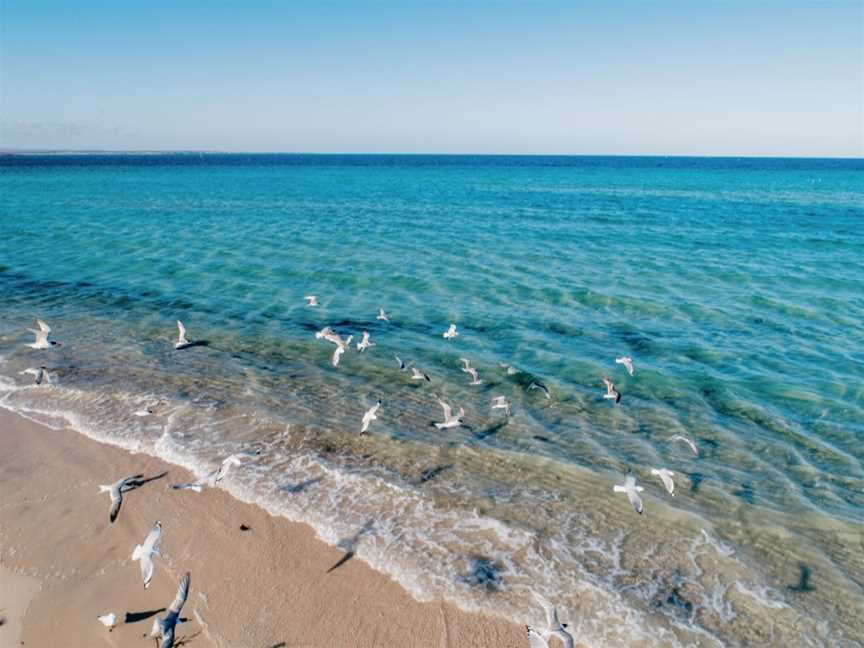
{"points": [[62, 563]]}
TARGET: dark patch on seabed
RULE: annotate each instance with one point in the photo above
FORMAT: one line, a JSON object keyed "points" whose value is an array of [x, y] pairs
{"points": [[803, 584], [483, 574]]}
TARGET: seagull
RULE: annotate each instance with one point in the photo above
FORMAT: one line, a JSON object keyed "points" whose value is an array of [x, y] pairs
{"points": [[611, 392], [145, 552], [182, 342], [216, 476], [450, 333], [471, 371], [108, 620], [382, 315], [402, 365], [666, 477], [330, 335], [684, 439], [40, 373], [311, 300], [42, 341], [555, 628], [632, 491], [164, 628], [337, 353], [117, 489], [364, 344], [450, 420], [369, 416], [146, 411], [500, 402], [510, 369], [416, 374], [627, 361], [543, 388]]}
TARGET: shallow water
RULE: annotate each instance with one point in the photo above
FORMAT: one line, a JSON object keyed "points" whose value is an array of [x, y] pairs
{"points": [[736, 286]]}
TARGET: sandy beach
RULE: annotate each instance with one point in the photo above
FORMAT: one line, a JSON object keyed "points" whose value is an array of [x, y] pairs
{"points": [[62, 563]]}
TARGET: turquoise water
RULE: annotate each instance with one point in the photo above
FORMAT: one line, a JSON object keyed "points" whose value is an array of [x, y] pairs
{"points": [[737, 286]]}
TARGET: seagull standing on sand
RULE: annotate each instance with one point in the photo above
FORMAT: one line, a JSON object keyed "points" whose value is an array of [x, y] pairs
{"points": [[471, 371], [450, 333], [416, 374], [145, 552], [543, 388], [684, 439], [666, 477], [311, 300], [632, 491], [40, 373], [364, 344], [500, 402], [108, 620], [164, 628], [382, 315], [117, 489], [369, 416], [42, 333], [182, 342], [554, 628], [450, 420], [627, 361], [611, 392]]}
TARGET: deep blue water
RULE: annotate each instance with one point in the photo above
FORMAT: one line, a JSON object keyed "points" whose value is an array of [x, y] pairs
{"points": [[736, 285]]}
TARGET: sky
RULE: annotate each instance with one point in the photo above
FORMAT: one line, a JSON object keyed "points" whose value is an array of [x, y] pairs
{"points": [[699, 77]]}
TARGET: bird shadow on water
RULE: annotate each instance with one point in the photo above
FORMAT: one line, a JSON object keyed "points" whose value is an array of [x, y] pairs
{"points": [[483, 573], [803, 584], [490, 430], [135, 617], [299, 487], [349, 545], [192, 345], [431, 473]]}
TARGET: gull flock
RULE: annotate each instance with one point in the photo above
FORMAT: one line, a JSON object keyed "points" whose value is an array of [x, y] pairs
{"points": [[164, 628]]}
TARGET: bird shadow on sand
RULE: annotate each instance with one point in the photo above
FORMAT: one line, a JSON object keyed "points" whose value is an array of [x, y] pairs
{"points": [[135, 617], [349, 545]]}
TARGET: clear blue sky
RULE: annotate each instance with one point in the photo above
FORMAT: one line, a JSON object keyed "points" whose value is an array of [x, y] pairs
{"points": [[700, 77]]}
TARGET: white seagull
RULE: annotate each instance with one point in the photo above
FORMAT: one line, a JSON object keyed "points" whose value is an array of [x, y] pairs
{"points": [[627, 361], [108, 620], [471, 371], [450, 420], [554, 629], [500, 402], [369, 416], [632, 491], [181, 342], [42, 333], [382, 315], [145, 552], [164, 628], [416, 374], [337, 353], [40, 374], [364, 344], [611, 392], [666, 477], [330, 335], [116, 491], [684, 439], [450, 333], [311, 300]]}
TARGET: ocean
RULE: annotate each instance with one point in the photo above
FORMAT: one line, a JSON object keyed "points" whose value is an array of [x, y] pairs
{"points": [[736, 285]]}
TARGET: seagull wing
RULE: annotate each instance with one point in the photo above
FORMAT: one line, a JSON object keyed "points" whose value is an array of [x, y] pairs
{"points": [[182, 594], [448, 411], [43, 326], [116, 501], [181, 336]]}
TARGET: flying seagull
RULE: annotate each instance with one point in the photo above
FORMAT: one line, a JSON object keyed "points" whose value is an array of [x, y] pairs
{"points": [[181, 342], [500, 402], [382, 315], [450, 333], [42, 333], [40, 374], [416, 374], [108, 620], [666, 477], [337, 353], [627, 361], [216, 476], [632, 491], [164, 628], [311, 300], [543, 388], [117, 489], [611, 392], [471, 371], [369, 416], [684, 439], [450, 419], [364, 344], [145, 552], [554, 629]]}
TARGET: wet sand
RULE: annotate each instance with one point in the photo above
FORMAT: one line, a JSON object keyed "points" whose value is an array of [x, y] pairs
{"points": [[62, 563]]}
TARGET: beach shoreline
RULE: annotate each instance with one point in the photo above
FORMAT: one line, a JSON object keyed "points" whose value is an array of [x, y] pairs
{"points": [[267, 586]]}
